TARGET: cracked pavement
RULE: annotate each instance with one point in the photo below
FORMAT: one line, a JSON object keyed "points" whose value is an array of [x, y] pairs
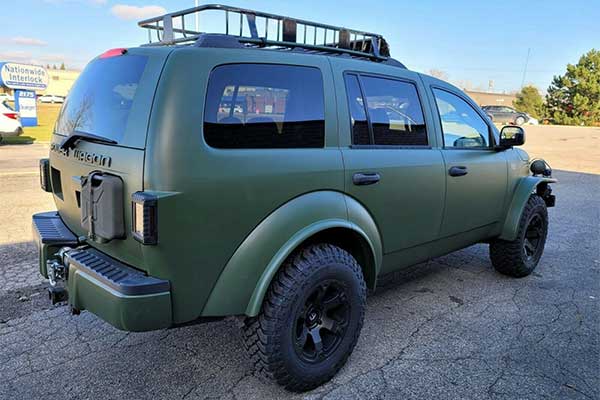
{"points": [[451, 328]]}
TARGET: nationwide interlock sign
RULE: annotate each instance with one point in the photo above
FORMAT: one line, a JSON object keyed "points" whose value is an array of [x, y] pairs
{"points": [[25, 80]]}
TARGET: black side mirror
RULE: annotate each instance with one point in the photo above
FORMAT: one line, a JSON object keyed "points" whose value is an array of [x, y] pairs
{"points": [[510, 136]]}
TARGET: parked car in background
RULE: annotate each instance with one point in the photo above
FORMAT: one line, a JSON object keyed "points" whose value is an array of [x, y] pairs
{"points": [[10, 123], [508, 115], [6, 97], [50, 98]]}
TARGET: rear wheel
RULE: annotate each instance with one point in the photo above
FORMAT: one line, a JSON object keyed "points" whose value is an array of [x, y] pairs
{"points": [[310, 320], [519, 257]]}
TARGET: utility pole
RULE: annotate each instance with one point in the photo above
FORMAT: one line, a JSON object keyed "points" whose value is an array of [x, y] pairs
{"points": [[525, 69]]}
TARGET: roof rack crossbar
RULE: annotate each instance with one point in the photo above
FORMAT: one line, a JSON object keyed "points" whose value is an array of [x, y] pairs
{"points": [[171, 29]]}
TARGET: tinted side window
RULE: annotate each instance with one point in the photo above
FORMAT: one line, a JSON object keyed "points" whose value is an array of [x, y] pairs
{"points": [[264, 106], [395, 112], [358, 116], [461, 124]]}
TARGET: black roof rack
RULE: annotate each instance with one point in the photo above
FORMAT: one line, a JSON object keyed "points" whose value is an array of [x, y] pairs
{"points": [[291, 33]]}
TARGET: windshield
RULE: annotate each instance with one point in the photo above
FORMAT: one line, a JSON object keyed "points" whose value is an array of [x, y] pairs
{"points": [[101, 99]]}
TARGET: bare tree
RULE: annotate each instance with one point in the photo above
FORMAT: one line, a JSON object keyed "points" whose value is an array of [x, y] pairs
{"points": [[438, 73]]}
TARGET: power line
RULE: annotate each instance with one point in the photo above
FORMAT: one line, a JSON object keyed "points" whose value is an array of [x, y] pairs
{"points": [[525, 69]]}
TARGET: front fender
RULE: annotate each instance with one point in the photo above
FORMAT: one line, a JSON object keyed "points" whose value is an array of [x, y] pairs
{"points": [[525, 188], [245, 279]]}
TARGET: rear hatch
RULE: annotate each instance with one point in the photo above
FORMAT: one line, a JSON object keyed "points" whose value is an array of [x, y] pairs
{"points": [[108, 108]]}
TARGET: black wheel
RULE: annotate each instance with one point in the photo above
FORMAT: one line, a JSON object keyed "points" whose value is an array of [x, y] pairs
{"points": [[518, 258], [520, 120], [310, 319]]}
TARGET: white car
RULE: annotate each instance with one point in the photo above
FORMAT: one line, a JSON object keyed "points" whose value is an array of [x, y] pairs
{"points": [[10, 123], [50, 98], [6, 97]]}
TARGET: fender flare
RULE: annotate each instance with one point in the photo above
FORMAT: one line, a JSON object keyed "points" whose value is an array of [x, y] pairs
{"points": [[244, 281], [524, 189]]}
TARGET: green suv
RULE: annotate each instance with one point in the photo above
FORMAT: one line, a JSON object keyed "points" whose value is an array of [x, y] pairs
{"points": [[272, 178]]}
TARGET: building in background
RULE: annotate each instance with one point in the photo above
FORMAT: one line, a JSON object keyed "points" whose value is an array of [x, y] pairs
{"points": [[60, 81], [492, 99]]}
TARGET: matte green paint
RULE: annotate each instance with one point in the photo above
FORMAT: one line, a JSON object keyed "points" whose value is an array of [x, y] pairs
{"points": [[227, 219], [525, 188], [363, 221], [129, 313], [246, 277]]}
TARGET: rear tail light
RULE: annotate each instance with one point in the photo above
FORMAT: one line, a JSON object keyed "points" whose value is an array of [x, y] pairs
{"points": [[45, 175], [12, 115], [144, 222]]}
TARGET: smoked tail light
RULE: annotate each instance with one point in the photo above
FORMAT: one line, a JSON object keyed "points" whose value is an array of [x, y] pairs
{"points": [[45, 175], [144, 221]]}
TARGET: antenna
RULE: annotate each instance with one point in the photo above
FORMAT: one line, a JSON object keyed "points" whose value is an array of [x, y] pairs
{"points": [[525, 69]]}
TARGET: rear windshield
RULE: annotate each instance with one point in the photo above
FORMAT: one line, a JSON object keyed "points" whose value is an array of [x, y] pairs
{"points": [[101, 99]]}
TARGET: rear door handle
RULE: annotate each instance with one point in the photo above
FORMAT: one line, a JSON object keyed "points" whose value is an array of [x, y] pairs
{"points": [[365, 178], [458, 170]]}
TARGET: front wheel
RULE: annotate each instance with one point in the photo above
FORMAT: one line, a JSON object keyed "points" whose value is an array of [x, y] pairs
{"points": [[520, 120], [519, 257], [310, 320]]}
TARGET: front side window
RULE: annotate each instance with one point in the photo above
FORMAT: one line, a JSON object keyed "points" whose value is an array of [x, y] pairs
{"points": [[264, 106], [462, 126]]}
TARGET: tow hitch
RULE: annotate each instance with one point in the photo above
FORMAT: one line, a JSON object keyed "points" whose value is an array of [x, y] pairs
{"points": [[57, 276]]}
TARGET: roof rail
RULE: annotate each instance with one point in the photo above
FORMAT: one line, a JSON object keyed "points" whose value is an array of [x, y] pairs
{"points": [[170, 29]]}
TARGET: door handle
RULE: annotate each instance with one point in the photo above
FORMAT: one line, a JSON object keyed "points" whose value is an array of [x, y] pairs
{"points": [[458, 170], [365, 178]]}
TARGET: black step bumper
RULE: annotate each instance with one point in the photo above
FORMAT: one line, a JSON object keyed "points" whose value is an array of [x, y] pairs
{"points": [[119, 294]]}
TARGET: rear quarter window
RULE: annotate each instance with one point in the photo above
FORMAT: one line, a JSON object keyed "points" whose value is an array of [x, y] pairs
{"points": [[264, 106]]}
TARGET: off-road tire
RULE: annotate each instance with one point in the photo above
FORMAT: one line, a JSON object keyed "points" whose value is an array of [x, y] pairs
{"points": [[271, 337], [511, 257], [520, 120]]}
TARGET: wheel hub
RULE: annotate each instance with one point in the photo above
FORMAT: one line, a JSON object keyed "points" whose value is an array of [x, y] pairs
{"points": [[313, 317], [321, 324], [533, 237]]}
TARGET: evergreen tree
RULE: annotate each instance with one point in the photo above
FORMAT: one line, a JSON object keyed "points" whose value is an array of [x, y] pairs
{"points": [[62, 66], [530, 101], [574, 98]]}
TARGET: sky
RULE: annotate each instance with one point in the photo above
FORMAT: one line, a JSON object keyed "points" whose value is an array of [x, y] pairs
{"points": [[472, 42]]}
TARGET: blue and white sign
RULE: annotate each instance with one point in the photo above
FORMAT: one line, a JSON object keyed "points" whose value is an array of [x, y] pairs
{"points": [[26, 106], [23, 76]]}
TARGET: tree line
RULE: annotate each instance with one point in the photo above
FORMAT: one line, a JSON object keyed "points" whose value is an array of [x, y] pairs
{"points": [[572, 98]]}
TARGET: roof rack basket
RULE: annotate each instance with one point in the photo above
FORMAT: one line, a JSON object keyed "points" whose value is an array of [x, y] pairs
{"points": [[279, 32]]}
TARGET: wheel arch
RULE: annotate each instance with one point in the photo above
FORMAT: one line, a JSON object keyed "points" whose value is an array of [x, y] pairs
{"points": [[316, 216], [525, 188]]}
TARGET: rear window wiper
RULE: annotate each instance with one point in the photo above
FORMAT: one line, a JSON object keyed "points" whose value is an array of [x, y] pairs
{"points": [[74, 137]]}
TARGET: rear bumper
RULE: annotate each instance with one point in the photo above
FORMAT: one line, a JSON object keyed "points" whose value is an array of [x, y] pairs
{"points": [[126, 298]]}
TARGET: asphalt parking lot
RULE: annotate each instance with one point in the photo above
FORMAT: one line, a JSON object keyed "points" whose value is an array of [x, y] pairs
{"points": [[451, 328]]}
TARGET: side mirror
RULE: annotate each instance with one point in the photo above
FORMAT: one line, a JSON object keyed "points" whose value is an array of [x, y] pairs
{"points": [[511, 135]]}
